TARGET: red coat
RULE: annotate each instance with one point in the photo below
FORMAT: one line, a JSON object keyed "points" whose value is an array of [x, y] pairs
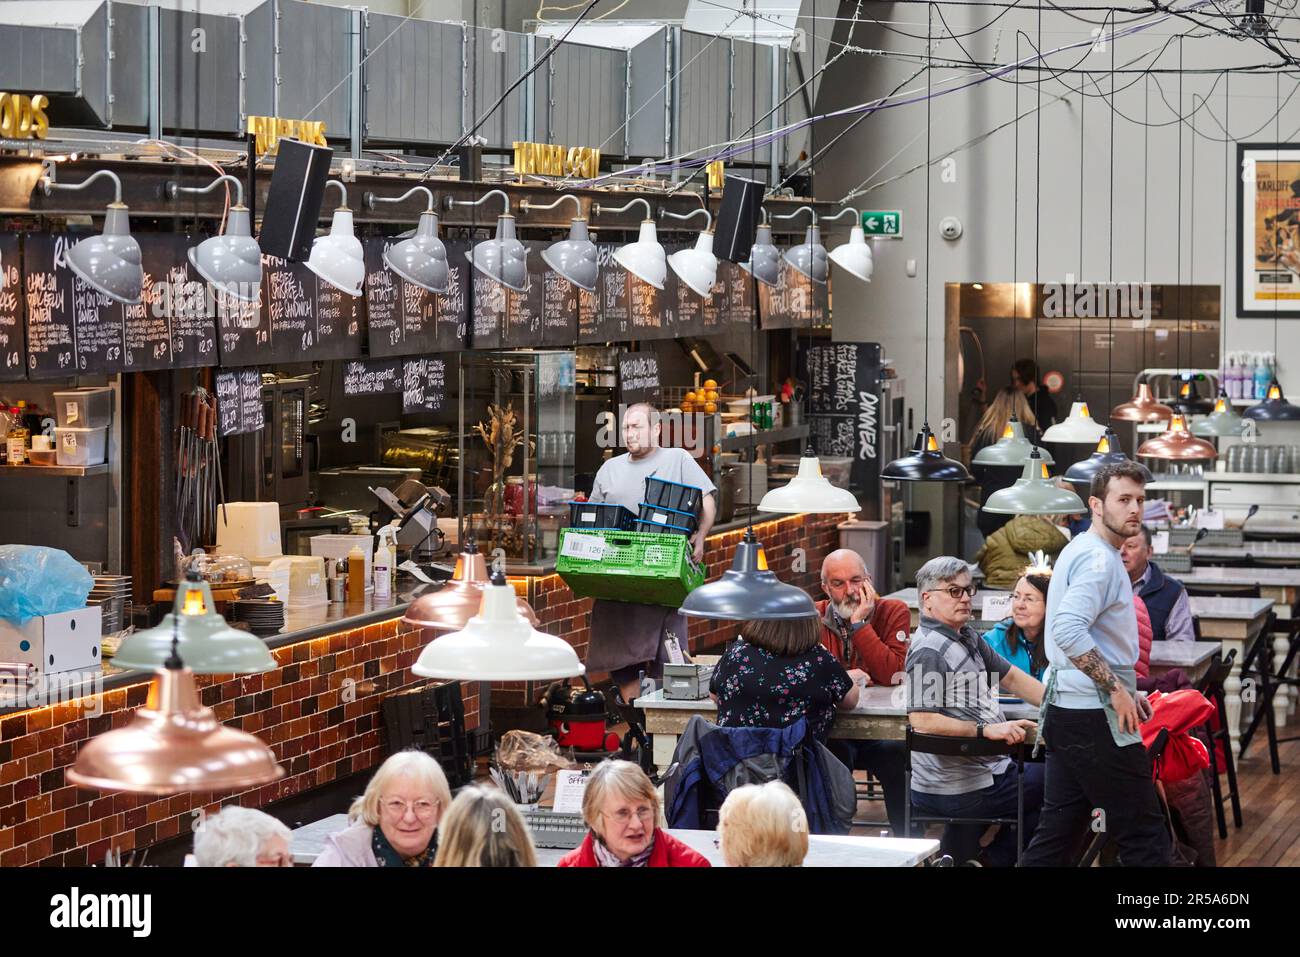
{"points": [[668, 852], [880, 644], [1145, 634], [1181, 712]]}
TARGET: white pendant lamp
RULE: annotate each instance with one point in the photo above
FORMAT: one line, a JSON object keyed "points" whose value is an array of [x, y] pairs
{"points": [[232, 262], [697, 267], [422, 258], [1079, 427], [644, 258], [1011, 449], [574, 258], [764, 258], [809, 492], [498, 644], [855, 256], [503, 258], [336, 257], [109, 262]]}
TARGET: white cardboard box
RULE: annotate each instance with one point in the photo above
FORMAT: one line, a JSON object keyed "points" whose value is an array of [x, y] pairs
{"points": [[68, 641]]}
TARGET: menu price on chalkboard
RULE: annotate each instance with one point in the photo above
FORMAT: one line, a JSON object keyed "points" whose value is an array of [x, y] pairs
{"points": [[239, 401], [372, 377], [688, 310], [560, 309], [244, 328], [638, 377], [424, 385], [47, 287], [739, 309], [174, 325], [651, 311], [843, 404], [13, 339], [309, 318], [611, 317]]}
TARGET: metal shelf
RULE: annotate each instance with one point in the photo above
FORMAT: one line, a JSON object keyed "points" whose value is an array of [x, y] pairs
{"points": [[738, 443], [55, 471]]}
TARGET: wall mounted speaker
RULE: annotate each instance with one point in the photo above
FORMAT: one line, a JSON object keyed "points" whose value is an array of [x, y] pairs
{"points": [[737, 221], [293, 202]]}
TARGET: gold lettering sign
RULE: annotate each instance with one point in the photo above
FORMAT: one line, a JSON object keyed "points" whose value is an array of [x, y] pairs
{"points": [[546, 159], [269, 129], [23, 117], [716, 172]]}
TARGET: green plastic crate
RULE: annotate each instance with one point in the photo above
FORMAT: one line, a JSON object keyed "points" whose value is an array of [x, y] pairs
{"points": [[641, 567]]}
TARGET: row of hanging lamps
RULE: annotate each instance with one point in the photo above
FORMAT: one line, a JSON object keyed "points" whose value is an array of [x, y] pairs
{"points": [[109, 262], [503, 259], [1035, 493], [644, 258], [451, 606], [420, 258], [573, 258], [926, 463], [696, 266], [231, 261], [336, 257]]}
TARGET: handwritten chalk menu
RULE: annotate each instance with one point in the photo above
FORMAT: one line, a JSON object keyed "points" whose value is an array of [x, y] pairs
{"points": [[612, 299], [688, 310], [239, 401], [796, 302], [338, 323], [424, 385], [451, 312], [843, 404], [638, 377], [651, 311], [13, 338], [487, 313], [244, 328], [309, 318], [372, 377], [588, 321], [174, 325], [47, 290], [713, 308], [523, 319], [386, 329], [560, 309], [739, 310], [405, 319]]}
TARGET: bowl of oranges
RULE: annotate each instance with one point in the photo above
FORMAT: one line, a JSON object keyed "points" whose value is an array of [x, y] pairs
{"points": [[705, 398]]}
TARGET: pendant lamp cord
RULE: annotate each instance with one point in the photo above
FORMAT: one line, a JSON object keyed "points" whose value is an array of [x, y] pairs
{"points": [[753, 279], [1110, 230], [1277, 171], [1227, 165], [1178, 268], [929, 70], [1038, 190], [1146, 187], [1015, 226], [1082, 101]]}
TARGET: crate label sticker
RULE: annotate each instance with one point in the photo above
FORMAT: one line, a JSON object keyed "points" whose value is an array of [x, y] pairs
{"points": [[588, 516], [673, 650], [584, 546], [69, 441], [661, 518], [1160, 542], [71, 409], [569, 787], [996, 607], [1209, 518]]}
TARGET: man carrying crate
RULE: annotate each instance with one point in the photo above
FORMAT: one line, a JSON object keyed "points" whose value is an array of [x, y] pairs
{"points": [[627, 638]]}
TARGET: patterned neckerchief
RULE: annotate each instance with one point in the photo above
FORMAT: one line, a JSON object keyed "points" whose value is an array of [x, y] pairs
{"points": [[607, 858], [387, 856]]}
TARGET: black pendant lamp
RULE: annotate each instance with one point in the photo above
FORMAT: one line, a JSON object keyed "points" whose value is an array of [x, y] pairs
{"points": [[1109, 452]]}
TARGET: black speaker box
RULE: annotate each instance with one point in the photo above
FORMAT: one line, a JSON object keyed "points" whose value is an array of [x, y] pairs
{"points": [[293, 202], [737, 222]]}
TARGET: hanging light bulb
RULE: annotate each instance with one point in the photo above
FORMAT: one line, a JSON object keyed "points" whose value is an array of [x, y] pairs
{"points": [[422, 258], [1035, 493], [926, 463], [1274, 407], [854, 257], [1142, 408], [1177, 443], [173, 745], [498, 644], [503, 258], [209, 646], [809, 492], [574, 258], [764, 258], [232, 262], [336, 257], [644, 258], [110, 262], [1011, 449], [749, 591], [1078, 427], [452, 606], [1224, 420], [1109, 452]]}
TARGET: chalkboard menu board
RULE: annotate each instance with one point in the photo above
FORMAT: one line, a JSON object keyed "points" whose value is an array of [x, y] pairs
{"points": [[560, 309], [611, 320], [424, 385], [796, 302], [688, 308], [638, 377], [372, 377], [843, 404], [244, 329], [51, 346], [404, 319], [739, 310], [239, 401], [523, 319], [308, 317], [651, 311], [174, 325], [12, 328]]}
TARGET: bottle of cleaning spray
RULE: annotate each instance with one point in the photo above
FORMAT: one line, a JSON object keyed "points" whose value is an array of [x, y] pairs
{"points": [[384, 557]]}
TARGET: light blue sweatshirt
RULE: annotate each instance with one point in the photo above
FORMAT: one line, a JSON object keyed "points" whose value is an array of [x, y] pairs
{"points": [[1090, 605]]}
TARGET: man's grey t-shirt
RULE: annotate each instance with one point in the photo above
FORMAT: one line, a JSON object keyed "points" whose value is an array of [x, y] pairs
{"points": [[621, 480], [955, 674]]}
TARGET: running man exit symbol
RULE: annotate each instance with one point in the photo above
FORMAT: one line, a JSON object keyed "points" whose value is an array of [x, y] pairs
{"points": [[882, 222]]}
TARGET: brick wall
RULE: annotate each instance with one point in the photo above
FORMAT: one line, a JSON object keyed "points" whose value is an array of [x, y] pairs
{"points": [[299, 709]]}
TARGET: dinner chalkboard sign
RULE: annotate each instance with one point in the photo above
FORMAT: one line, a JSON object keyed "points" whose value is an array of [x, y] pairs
{"points": [[13, 338], [424, 385], [239, 401], [843, 404], [372, 377], [638, 377]]}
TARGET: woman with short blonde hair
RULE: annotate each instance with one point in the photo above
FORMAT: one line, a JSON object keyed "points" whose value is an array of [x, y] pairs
{"points": [[621, 807], [763, 825], [483, 828], [395, 822]]}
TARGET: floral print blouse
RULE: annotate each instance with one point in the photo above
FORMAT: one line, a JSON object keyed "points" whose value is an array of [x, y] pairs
{"points": [[758, 689]]}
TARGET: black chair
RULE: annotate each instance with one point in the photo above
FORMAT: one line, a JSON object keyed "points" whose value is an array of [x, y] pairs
{"points": [[1222, 591], [1211, 685], [1259, 665], [961, 747], [1098, 843]]}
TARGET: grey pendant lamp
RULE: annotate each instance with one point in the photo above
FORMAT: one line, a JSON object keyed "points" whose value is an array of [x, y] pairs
{"points": [[574, 258], [503, 259], [422, 258], [809, 258], [1035, 493], [232, 262], [764, 262], [110, 262], [1011, 449], [1222, 421]]}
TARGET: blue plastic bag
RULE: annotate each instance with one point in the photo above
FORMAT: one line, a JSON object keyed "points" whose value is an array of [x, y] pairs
{"points": [[35, 580]]}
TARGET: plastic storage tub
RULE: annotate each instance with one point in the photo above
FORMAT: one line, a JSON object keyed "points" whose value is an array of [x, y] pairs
{"points": [[600, 515], [89, 408], [81, 446]]}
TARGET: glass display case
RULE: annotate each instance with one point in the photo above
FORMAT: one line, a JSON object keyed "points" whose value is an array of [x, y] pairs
{"points": [[517, 447]]}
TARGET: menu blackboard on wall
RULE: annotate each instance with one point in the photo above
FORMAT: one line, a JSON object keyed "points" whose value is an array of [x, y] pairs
{"points": [[843, 404], [611, 299], [638, 377], [451, 312], [174, 325], [739, 309], [13, 338], [796, 302], [651, 311], [309, 318], [372, 377], [401, 317], [688, 310], [523, 319], [559, 309], [47, 288], [424, 385], [239, 401], [243, 328]]}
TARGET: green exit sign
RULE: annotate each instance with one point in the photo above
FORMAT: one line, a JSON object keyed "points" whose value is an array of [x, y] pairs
{"points": [[882, 222]]}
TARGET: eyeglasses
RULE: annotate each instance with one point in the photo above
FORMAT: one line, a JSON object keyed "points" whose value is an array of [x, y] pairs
{"points": [[624, 816], [397, 808], [956, 591]]}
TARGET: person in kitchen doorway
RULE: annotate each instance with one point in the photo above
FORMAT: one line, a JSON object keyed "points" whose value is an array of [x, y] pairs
{"points": [[626, 638], [1024, 377]]}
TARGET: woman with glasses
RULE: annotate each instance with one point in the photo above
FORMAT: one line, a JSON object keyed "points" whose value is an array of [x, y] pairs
{"points": [[395, 823], [1019, 639], [621, 808]]}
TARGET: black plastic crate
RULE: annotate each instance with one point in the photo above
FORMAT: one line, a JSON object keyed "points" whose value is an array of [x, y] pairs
{"points": [[662, 515], [600, 515], [674, 495], [431, 718], [659, 528]]}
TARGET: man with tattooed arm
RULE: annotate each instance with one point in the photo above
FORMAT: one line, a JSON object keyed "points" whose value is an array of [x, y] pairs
{"points": [[1097, 769]]}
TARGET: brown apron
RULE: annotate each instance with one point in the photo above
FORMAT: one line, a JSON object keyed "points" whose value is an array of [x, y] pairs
{"points": [[624, 634]]}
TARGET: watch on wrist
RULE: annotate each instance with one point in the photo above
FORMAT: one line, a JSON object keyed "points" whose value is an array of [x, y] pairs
{"points": [[979, 729]]}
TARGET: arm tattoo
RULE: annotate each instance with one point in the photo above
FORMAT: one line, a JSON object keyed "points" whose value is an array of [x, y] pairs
{"points": [[1094, 666]]}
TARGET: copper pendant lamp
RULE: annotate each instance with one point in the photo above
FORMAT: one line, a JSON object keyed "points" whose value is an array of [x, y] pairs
{"points": [[1178, 444], [172, 745], [452, 606], [1143, 407]]}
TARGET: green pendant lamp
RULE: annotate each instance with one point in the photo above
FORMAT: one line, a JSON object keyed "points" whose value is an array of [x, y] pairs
{"points": [[1010, 450], [749, 591], [1035, 493], [1223, 421], [208, 646]]}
